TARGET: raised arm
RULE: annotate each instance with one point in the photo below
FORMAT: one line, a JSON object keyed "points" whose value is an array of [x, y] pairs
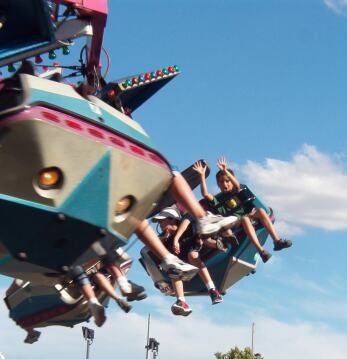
{"points": [[223, 166], [201, 169], [181, 229]]}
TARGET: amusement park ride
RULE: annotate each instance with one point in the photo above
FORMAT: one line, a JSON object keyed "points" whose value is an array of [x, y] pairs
{"points": [[70, 155]]}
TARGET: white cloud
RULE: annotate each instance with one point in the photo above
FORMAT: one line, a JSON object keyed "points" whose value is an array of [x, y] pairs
{"points": [[309, 190], [193, 337], [329, 309], [300, 282], [338, 6], [275, 339], [289, 229]]}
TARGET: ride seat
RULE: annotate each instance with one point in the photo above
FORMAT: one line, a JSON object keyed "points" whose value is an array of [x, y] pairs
{"points": [[239, 244], [25, 25]]}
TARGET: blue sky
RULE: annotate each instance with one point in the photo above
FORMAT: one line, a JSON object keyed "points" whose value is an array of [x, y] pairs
{"points": [[264, 84]]}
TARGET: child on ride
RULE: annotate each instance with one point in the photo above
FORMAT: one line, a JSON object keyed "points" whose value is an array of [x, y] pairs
{"points": [[186, 244], [206, 224], [174, 266], [227, 182], [97, 274]]}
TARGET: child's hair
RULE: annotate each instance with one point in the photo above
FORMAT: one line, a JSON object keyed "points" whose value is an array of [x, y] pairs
{"points": [[222, 173]]}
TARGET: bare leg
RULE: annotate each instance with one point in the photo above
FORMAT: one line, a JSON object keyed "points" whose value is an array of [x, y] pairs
{"points": [[174, 267], [107, 287], [103, 283], [184, 195], [251, 234], [177, 285], [130, 290], [87, 291], [115, 271], [147, 235], [206, 224], [180, 307], [195, 260], [96, 309], [264, 219], [209, 242]]}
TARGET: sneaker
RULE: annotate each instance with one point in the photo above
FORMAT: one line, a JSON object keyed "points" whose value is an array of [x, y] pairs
{"points": [[215, 296], [133, 291], [32, 337], [211, 224], [181, 308], [177, 269], [282, 244], [124, 305], [265, 255], [97, 310], [221, 246]]}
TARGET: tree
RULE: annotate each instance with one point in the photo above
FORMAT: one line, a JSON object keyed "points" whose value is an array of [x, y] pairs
{"points": [[236, 353]]}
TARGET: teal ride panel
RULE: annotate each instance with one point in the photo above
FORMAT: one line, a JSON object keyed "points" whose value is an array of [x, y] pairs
{"points": [[89, 201]]}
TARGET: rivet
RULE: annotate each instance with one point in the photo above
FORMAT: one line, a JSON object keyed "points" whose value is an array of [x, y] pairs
{"points": [[61, 217], [22, 256], [102, 232], [64, 269]]}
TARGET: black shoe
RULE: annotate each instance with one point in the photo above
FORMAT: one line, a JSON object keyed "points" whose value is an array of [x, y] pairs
{"points": [[133, 292], [232, 239], [215, 296], [32, 337], [124, 305], [221, 246], [265, 255], [282, 244]]}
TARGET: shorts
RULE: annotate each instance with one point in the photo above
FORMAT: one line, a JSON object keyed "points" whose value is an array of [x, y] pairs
{"points": [[79, 276], [186, 246], [195, 247]]}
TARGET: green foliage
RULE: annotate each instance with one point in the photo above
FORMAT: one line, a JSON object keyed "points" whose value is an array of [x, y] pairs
{"points": [[236, 353]]}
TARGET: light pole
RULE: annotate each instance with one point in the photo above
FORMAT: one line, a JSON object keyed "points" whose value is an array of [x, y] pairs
{"points": [[256, 355], [88, 335], [148, 326], [253, 338], [152, 343], [154, 347]]}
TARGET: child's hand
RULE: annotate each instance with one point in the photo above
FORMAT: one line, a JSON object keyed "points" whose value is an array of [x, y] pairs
{"points": [[222, 164], [200, 168], [176, 248]]}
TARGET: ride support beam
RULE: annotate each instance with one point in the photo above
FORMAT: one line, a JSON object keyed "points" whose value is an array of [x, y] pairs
{"points": [[96, 11], [88, 6]]}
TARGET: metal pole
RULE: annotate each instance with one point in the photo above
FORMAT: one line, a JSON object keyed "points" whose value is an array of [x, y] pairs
{"points": [[148, 325], [88, 345], [253, 338]]}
